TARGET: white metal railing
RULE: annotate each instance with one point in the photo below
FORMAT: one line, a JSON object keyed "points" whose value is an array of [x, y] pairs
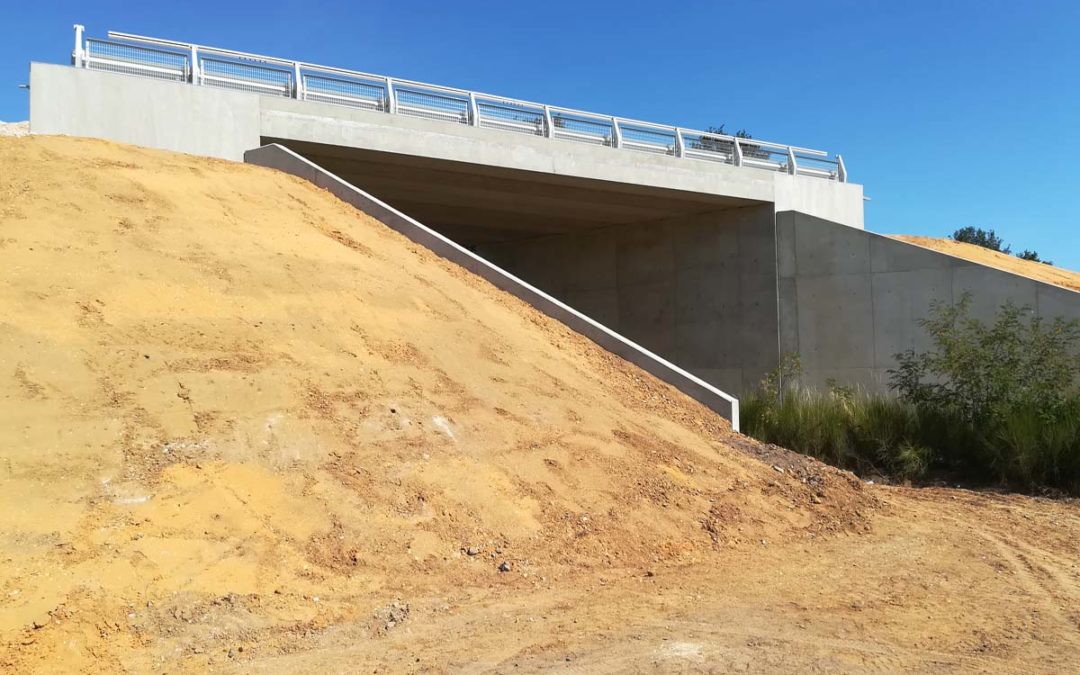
{"points": [[228, 69]]}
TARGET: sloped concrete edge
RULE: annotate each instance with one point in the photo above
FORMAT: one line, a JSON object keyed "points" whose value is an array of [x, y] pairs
{"points": [[278, 157]]}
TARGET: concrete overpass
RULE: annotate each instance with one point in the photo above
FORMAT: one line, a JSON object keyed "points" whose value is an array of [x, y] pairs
{"points": [[718, 253]]}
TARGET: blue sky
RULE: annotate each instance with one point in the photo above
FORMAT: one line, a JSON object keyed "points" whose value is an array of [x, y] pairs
{"points": [[951, 113]]}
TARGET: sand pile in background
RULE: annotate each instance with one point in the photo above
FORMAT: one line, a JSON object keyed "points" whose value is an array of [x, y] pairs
{"points": [[218, 380], [1002, 261]]}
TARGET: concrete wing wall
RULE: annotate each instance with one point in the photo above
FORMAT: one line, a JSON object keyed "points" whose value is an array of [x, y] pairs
{"points": [[850, 299], [142, 111]]}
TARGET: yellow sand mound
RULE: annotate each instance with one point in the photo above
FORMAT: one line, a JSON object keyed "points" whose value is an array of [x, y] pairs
{"points": [[1035, 270], [222, 388]]}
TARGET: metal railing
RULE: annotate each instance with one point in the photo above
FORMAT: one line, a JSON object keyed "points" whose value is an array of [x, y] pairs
{"points": [[269, 76]]}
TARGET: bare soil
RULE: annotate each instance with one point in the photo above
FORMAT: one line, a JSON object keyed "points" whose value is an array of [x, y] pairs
{"points": [[1049, 274], [245, 428]]}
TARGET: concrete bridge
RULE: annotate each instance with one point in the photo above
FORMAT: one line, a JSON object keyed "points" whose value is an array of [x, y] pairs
{"points": [[718, 253]]}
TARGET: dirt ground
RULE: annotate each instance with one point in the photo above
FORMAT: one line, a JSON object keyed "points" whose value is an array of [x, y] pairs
{"points": [[244, 428], [1049, 274]]}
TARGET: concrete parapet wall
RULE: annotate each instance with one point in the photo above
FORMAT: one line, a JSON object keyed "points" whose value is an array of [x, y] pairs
{"points": [[278, 157], [142, 111], [838, 202], [850, 299]]}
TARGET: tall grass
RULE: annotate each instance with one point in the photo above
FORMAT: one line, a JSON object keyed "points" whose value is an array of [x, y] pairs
{"points": [[857, 431], [1025, 447]]}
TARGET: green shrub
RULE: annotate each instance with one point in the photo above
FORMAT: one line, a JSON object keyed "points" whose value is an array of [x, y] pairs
{"points": [[980, 237], [996, 402], [983, 370]]}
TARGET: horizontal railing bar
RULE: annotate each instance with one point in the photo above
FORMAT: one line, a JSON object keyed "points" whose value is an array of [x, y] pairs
{"points": [[807, 151], [245, 82], [810, 171], [315, 95], [567, 112], [638, 141], [646, 146], [511, 123], [320, 88], [763, 163], [430, 94], [818, 160], [131, 37], [563, 133], [166, 52], [430, 112], [509, 106], [354, 75], [705, 154], [139, 66]]}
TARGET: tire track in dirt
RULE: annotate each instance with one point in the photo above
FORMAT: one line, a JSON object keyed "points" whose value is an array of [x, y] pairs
{"points": [[1039, 579], [1038, 571]]}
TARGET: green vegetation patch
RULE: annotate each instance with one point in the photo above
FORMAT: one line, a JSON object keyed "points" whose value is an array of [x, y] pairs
{"points": [[994, 402]]}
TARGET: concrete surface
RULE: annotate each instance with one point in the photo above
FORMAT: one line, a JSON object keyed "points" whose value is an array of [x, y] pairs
{"points": [[699, 290], [850, 299], [278, 157], [142, 111]]}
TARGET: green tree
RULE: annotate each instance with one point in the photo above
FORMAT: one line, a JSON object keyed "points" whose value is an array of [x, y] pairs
{"points": [[980, 237], [980, 370], [1033, 256]]}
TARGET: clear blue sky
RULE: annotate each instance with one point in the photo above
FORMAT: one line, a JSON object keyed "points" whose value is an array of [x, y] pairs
{"points": [[950, 112]]}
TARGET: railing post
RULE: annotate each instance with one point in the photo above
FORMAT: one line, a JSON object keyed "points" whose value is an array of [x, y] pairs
{"points": [[841, 170], [736, 157], [196, 74], [679, 147], [77, 55], [549, 124], [391, 102], [793, 167], [616, 133], [474, 111], [298, 84]]}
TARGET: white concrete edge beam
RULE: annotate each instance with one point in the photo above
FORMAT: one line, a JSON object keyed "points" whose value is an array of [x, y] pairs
{"points": [[279, 157]]}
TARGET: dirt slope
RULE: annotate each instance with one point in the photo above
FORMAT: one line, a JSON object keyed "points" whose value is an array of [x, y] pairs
{"points": [[243, 427], [1039, 271]]}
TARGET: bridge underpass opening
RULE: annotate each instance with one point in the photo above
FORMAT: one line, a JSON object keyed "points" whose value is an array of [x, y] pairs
{"points": [[690, 276]]}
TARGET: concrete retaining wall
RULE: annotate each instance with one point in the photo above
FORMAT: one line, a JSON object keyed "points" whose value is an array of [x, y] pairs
{"points": [[278, 157], [700, 290], [850, 299]]}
